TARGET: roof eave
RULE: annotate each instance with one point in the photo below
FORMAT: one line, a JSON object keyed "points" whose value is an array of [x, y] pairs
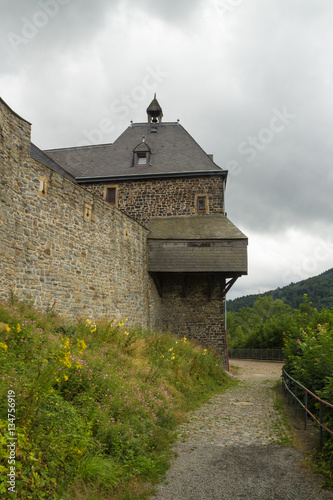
{"points": [[225, 274], [207, 173]]}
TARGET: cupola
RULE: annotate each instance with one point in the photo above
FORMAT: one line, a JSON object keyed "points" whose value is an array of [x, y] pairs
{"points": [[154, 111]]}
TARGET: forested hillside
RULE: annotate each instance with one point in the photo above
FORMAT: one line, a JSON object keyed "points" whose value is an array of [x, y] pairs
{"points": [[319, 290]]}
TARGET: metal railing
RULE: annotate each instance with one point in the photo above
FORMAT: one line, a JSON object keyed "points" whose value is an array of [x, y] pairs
{"points": [[287, 381], [262, 354]]}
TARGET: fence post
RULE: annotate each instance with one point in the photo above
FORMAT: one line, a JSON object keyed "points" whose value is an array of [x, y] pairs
{"points": [[321, 423], [289, 387], [306, 407], [295, 399]]}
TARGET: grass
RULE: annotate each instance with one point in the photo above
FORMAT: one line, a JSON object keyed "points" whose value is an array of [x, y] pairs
{"points": [[96, 404], [281, 426]]}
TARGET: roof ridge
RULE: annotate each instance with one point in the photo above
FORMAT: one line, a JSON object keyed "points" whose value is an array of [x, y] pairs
{"points": [[79, 147]]}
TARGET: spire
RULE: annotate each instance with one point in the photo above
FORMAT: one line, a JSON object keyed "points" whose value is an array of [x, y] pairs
{"points": [[154, 111]]}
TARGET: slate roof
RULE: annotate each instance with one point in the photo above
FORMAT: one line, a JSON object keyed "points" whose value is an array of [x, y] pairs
{"points": [[203, 227], [173, 152], [209, 244], [42, 157]]}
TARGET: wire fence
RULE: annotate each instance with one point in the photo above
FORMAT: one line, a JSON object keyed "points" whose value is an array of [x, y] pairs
{"points": [[309, 402], [261, 354]]}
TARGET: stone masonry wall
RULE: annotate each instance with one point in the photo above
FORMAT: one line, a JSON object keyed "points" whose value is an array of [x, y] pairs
{"points": [[14, 152], [196, 315], [165, 197], [61, 245]]}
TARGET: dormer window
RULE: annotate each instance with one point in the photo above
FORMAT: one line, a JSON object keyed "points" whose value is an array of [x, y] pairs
{"points": [[141, 154], [141, 158]]}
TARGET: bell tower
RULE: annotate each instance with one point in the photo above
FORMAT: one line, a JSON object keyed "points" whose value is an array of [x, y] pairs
{"points": [[154, 111]]}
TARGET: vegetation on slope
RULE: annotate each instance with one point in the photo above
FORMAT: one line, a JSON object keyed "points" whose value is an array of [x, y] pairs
{"points": [[93, 406], [308, 351], [263, 325], [319, 290]]}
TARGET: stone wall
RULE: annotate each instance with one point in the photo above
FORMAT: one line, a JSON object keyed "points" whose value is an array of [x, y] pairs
{"points": [[14, 152], [165, 197], [195, 314], [61, 245]]}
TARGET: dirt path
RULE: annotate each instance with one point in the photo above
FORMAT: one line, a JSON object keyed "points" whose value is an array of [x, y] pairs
{"points": [[231, 447]]}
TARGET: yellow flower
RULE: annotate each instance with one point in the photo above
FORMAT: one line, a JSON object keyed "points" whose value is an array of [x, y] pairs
{"points": [[18, 328], [78, 366], [82, 345], [4, 346], [126, 333], [7, 328], [65, 377], [171, 349], [67, 344], [88, 322]]}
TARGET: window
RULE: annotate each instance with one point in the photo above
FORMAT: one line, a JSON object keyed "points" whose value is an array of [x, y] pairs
{"points": [[201, 204], [110, 195], [141, 154], [141, 158]]}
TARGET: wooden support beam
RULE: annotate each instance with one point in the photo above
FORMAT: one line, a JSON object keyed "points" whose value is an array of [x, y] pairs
{"points": [[227, 285]]}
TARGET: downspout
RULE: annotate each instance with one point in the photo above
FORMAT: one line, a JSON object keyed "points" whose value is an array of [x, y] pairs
{"points": [[225, 331], [224, 185], [223, 194]]}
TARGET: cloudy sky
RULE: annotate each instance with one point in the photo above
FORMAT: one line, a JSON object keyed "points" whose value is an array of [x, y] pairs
{"points": [[250, 80]]}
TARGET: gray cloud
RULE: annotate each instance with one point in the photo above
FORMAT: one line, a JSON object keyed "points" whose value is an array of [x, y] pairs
{"points": [[230, 72]]}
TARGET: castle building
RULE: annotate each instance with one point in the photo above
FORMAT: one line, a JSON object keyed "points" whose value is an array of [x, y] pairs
{"points": [[169, 195]]}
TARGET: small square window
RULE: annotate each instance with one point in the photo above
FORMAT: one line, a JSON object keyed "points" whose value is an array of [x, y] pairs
{"points": [[141, 158], [202, 204]]}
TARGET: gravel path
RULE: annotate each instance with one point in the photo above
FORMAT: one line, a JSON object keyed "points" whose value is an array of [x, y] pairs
{"points": [[229, 449]]}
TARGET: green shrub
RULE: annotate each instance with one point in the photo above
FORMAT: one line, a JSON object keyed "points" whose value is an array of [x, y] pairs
{"points": [[97, 404]]}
